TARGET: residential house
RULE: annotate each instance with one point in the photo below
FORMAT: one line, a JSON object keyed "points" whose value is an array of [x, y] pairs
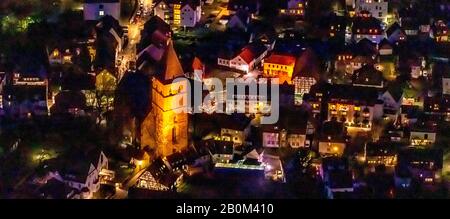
{"points": [[332, 139], [179, 13], [333, 25], [154, 40], [416, 64], [409, 20], [69, 102], [247, 58], [438, 105], [412, 96], [109, 42], [365, 26], [280, 66], [409, 114], [191, 13], [27, 95], [239, 21], [380, 153], [355, 106], [234, 127], [287, 132], [221, 151], [159, 177], [176, 161], [96, 9], [441, 32], [385, 48], [446, 83], [395, 33], [422, 134], [368, 76], [355, 56], [293, 7], [392, 98], [424, 165], [80, 170], [377, 8], [62, 55], [337, 177]]}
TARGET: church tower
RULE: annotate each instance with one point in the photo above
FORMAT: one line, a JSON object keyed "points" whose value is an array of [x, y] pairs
{"points": [[165, 130]]}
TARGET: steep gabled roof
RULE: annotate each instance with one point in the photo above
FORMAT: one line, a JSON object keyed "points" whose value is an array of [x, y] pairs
{"points": [[307, 65], [368, 75], [394, 27], [252, 51], [171, 66]]}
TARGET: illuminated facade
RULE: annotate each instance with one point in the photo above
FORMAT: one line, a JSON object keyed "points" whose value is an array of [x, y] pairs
{"points": [[367, 27], [441, 32], [378, 8], [331, 146], [302, 86], [281, 66], [165, 128], [422, 137], [351, 114], [182, 13], [294, 7]]}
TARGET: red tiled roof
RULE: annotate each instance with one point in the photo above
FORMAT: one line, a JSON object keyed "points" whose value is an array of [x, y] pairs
{"points": [[252, 51], [247, 55], [197, 64], [280, 59]]}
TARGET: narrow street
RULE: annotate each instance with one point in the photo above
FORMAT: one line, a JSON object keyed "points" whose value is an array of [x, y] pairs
{"points": [[128, 54]]}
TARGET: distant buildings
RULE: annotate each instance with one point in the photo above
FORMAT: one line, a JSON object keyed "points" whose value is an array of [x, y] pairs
{"points": [[280, 66], [109, 40], [246, 59], [293, 7], [367, 27], [377, 8], [179, 13], [96, 9]]}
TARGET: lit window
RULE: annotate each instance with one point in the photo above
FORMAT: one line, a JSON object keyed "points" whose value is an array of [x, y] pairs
{"points": [[101, 13]]}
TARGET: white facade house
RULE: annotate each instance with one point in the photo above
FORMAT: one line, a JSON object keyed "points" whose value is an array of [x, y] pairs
{"points": [[190, 15], [378, 8], [446, 85], [247, 59], [95, 9], [88, 181]]}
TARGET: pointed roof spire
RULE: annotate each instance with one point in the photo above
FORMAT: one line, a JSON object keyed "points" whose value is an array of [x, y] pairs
{"points": [[172, 67]]}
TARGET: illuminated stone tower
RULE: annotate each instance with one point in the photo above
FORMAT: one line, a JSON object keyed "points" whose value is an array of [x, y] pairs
{"points": [[166, 127]]}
